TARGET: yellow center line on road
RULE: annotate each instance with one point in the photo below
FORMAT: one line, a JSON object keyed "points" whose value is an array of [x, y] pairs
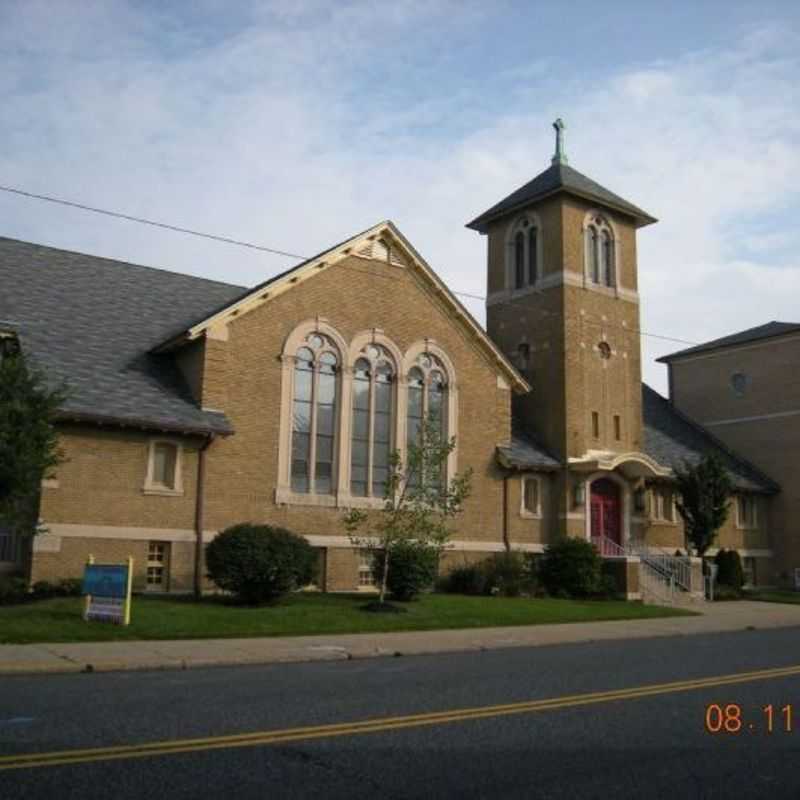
{"points": [[263, 738]]}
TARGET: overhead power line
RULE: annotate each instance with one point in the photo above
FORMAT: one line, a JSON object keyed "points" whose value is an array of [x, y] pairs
{"points": [[238, 242], [154, 223]]}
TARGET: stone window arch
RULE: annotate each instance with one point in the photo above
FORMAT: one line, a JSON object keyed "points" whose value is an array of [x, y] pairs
{"points": [[600, 250], [430, 390], [314, 415], [314, 360], [524, 252], [373, 428]]}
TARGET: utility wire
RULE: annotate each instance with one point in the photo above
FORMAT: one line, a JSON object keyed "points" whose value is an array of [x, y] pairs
{"points": [[240, 243], [143, 221]]}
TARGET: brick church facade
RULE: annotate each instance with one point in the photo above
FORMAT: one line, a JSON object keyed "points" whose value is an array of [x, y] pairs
{"points": [[194, 405]]}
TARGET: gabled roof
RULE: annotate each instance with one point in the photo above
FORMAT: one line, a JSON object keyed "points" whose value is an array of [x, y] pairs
{"points": [[767, 331], [89, 322], [672, 439], [560, 178], [385, 230]]}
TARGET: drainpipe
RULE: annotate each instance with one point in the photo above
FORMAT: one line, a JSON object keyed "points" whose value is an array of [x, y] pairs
{"points": [[199, 517], [506, 540]]}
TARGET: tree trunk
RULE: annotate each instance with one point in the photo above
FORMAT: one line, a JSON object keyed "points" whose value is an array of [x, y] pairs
{"points": [[382, 598]]}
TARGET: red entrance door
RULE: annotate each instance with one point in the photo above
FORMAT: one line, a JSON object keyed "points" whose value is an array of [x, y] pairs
{"points": [[606, 508]]}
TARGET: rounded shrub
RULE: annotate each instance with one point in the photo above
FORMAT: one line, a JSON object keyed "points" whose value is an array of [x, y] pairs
{"points": [[412, 569], [509, 574], [13, 590], [572, 568], [465, 579], [259, 563]]}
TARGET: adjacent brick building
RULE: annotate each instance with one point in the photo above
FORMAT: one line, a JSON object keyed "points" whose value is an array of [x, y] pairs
{"points": [[194, 404]]}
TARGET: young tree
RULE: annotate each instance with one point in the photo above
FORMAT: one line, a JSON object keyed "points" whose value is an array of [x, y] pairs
{"points": [[28, 441], [418, 501], [704, 492]]}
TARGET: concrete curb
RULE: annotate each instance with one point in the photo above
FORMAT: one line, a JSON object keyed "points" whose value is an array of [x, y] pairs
{"points": [[54, 658]]}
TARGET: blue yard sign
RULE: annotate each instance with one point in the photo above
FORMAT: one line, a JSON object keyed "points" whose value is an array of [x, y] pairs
{"points": [[107, 590], [103, 580]]}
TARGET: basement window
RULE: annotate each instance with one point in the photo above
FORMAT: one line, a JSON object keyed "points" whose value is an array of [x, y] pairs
{"points": [[157, 566], [366, 577]]}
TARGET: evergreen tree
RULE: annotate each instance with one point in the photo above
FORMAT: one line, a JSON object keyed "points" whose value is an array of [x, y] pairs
{"points": [[28, 441]]}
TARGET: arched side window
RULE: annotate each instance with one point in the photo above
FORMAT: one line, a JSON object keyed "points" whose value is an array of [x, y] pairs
{"points": [[523, 248], [600, 253], [372, 433], [314, 412], [519, 260], [427, 400]]}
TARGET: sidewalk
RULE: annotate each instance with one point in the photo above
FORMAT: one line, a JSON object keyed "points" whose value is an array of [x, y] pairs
{"points": [[193, 653]]}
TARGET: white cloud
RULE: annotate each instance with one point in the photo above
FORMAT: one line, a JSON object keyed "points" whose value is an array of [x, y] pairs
{"points": [[299, 125]]}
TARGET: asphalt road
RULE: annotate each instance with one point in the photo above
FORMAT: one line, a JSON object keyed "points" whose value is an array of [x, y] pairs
{"points": [[508, 723]]}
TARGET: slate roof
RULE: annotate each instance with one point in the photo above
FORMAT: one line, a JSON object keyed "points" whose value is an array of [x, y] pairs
{"points": [[525, 453], [91, 322], [560, 177], [671, 438], [767, 331]]}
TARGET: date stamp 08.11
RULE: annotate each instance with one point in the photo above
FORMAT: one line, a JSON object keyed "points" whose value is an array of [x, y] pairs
{"points": [[735, 719]]}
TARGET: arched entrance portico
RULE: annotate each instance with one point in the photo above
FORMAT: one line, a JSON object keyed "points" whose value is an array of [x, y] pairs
{"points": [[606, 510]]}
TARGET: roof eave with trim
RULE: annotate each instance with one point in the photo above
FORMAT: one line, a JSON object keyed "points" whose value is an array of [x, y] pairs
{"points": [[482, 221], [263, 292], [161, 426]]}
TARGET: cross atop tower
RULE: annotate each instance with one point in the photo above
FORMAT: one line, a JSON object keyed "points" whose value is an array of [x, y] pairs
{"points": [[560, 156]]}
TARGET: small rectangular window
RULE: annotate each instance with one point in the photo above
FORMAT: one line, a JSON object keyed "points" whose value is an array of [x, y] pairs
{"points": [[747, 511], [617, 427], [749, 570], [667, 512], [595, 425], [366, 577], [157, 566], [531, 495], [164, 460]]}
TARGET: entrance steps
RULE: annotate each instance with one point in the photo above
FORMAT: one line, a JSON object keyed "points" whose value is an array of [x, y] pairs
{"points": [[664, 579]]}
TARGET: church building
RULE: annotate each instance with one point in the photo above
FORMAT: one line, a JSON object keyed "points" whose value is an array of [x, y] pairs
{"points": [[194, 405]]}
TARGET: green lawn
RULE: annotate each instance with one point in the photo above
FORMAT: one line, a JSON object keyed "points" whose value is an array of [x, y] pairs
{"points": [[59, 620], [774, 595]]}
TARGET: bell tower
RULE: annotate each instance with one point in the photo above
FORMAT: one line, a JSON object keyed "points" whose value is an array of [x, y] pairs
{"points": [[563, 304]]}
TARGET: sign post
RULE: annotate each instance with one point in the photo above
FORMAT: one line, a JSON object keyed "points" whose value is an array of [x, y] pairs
{"points": [[107, 589]]}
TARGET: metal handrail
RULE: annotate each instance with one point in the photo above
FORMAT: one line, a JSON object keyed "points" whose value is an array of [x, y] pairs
{"points": [[657, 579], [654, 583], [677, 567]]}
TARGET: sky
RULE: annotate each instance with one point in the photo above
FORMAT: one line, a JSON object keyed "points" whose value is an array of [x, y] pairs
{"points": [[296, 124]]}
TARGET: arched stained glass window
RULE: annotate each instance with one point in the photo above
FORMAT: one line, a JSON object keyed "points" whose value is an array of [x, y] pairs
{"points": [[533, 255], [427, 399], [316, 389], [373, 414], [519, 260], [600, 256], [523, 254]]}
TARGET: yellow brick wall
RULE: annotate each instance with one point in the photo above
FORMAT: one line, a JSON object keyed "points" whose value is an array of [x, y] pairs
{"points": [[763, 425], [353, 296], [101, 481]]}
